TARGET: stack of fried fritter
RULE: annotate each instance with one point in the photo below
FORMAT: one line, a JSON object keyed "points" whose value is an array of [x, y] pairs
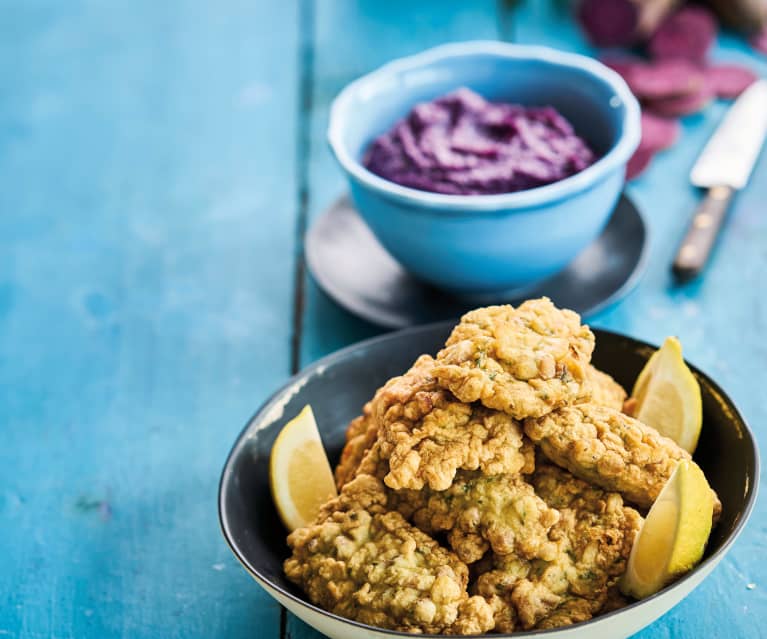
{"points": [[484, 489]]}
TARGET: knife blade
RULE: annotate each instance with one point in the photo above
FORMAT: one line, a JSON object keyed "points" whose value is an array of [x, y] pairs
{"points": [[723, 167]]}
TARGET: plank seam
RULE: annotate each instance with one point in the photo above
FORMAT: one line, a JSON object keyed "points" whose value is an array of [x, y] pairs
{"points": [[303, 145], [504, 11], [283, 622], [304, 111]]}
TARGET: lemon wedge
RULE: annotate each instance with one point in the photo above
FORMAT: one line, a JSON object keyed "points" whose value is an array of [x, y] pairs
{"points": [[668, 397], [673, 537], [299, 471]]}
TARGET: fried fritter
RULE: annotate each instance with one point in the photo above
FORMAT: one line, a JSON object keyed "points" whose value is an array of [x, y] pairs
{"points": [[426, 434], [605, 391], [363, 431], [439, 452], [475, 616], [609, 449], [481, 512], [594, 536], [373, 464], [572, 610], [364, 563], [360, 436], [615, 600], [525, 361]]}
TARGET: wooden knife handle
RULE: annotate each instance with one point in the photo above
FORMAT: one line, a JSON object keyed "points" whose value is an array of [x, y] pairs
{"points": [[697, 243]]}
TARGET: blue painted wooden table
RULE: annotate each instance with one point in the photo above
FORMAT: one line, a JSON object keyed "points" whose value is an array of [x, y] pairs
{"points": [[159, 163]]}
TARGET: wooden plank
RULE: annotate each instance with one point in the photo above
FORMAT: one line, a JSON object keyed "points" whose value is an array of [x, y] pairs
{"points": [[721, 319], [352, 39], [147, 154]]}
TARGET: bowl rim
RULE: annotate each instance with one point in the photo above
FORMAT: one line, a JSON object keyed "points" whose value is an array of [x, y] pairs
{"points": [[618, 155], [295, 382]]}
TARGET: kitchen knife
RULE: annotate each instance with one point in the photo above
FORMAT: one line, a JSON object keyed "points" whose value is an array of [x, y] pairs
{"points": [[723, 168]]}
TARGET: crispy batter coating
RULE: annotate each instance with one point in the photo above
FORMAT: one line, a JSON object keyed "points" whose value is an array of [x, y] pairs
{"points": [[615, 600], [373, 464], [360, 436], [609, 449], [572, 610], [605, 391], [525, 361], [594, 536], [480, 512], [475, 616], [364, 563], [427, 434], [439, 452]]}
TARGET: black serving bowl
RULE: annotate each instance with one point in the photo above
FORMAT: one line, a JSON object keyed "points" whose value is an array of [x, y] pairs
{"points": [[338, 385]]}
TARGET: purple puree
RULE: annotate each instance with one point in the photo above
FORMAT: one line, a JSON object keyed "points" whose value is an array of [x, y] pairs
{"points": [[461, 144]]}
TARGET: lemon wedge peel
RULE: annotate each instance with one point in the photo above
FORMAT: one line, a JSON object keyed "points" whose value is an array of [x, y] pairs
{"points": [[673, 537], [668, 396], [300, 477]]}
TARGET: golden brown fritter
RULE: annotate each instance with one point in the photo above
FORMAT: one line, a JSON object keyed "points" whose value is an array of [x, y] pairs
{"points": [[480, 512], [525, 361], [609, 449], [364, 563], [426, 434], [605, 391], [475, 617], [615, 600], [594, 536], [362, 432], [595, 513], [439, 451], [572, 610], [360, 436], [373, 464]]}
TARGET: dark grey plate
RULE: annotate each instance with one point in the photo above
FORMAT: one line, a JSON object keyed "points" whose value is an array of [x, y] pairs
{"points": [[337, 387], [351, 266]]}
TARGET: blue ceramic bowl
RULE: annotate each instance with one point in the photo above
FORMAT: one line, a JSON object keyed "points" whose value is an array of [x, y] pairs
{"points": [[489, 243]]}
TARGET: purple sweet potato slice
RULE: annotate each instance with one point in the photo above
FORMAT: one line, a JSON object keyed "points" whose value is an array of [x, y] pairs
{"points": [[659, 79], [622, 65], [688, 34], [759, 41], [728, 81], [681, 105], [609, 23], [621, 23], [665, 79], [658, 133], [638, 162]]}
